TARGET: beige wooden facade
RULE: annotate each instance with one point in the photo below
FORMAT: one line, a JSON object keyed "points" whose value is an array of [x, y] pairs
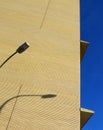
{"points": [[40, 89]]}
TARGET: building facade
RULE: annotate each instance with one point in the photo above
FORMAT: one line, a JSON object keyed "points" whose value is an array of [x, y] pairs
{"points": [[40, 89]]}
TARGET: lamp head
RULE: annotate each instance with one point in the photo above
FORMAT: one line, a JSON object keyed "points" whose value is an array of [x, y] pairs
{"points": [[23, 47]]}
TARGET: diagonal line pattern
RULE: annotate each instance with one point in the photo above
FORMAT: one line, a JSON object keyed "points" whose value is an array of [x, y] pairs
{"points": [[13, 109], [45, 14]]}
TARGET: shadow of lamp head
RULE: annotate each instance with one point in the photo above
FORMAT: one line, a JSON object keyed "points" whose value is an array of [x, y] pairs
{"points": [[48, 96]]}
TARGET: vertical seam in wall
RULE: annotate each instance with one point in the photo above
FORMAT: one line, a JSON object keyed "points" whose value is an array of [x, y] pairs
{"points": [[13, 109], [45, 13]]}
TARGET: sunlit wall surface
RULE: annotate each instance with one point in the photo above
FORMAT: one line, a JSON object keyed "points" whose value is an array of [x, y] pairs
{"points": [[39, 89]]}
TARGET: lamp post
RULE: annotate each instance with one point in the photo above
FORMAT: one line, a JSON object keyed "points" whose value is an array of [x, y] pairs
{"points": [[19, 50]]}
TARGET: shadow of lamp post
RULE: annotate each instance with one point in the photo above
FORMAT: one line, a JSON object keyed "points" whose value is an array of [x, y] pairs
{"points": [[19, 50]]}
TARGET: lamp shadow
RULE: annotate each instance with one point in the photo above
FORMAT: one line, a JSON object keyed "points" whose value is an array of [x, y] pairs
{"points": [[45, 96], [8, 59]]}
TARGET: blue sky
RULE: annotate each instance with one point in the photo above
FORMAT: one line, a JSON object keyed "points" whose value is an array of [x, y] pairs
{"points": [[92, 64]]}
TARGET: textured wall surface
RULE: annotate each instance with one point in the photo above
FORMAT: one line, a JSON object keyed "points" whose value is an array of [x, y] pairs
{"points": [[40, 89]]}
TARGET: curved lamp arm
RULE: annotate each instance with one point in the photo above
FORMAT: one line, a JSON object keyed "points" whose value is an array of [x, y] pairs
{"points": [[20, 49]]}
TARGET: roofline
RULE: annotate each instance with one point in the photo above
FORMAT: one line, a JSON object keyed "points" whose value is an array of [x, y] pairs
{"points": [[84, 42]]}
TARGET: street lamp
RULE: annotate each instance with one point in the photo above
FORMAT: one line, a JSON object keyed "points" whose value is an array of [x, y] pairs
{"points": [[19, 50]]}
